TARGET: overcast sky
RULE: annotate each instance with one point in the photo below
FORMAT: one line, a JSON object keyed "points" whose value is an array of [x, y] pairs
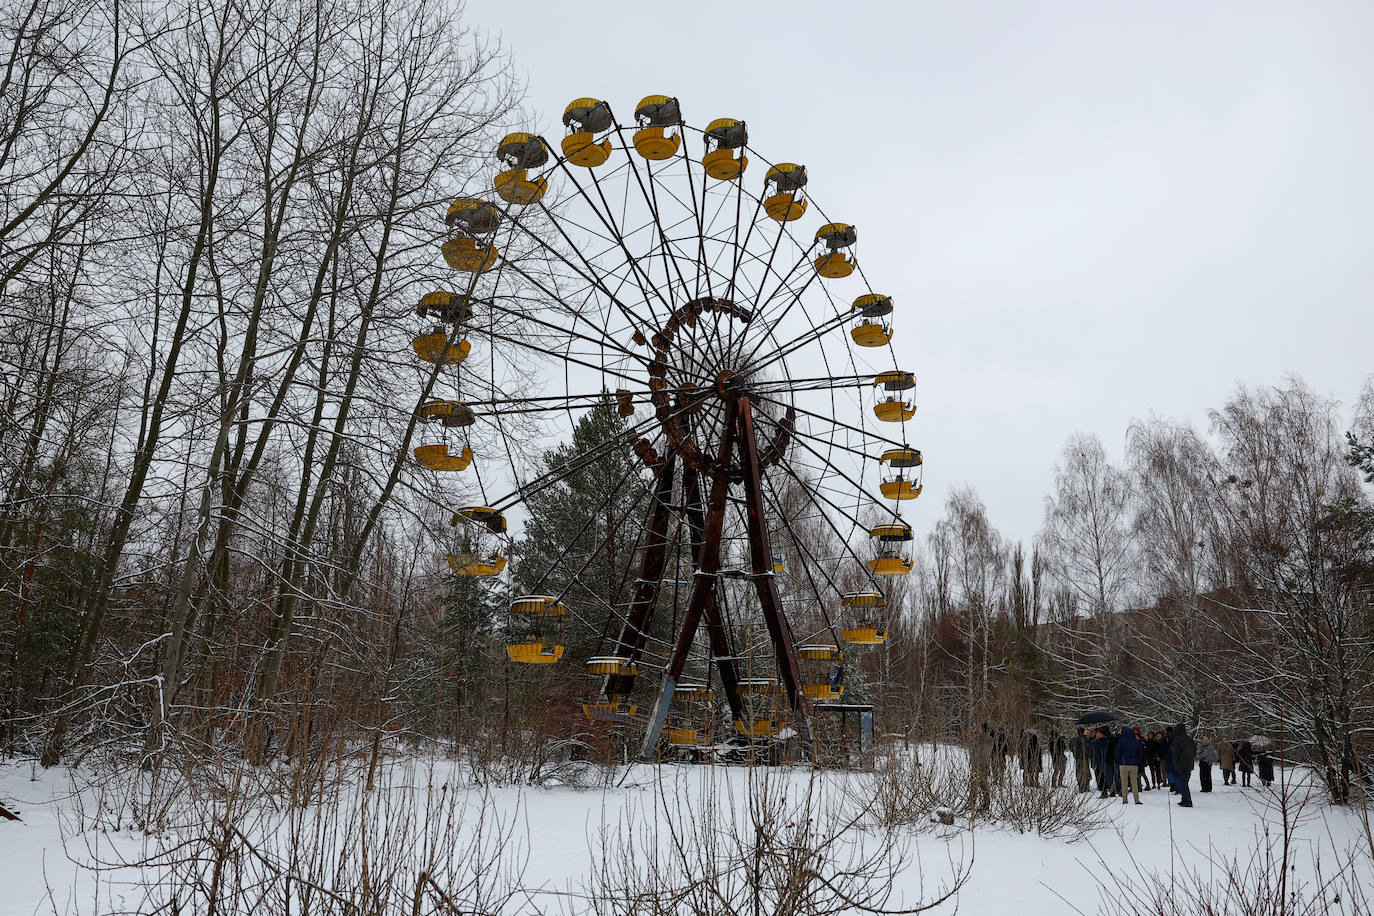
{"points": [[1087, 212]]}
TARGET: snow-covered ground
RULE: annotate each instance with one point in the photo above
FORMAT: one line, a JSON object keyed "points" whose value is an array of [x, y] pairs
{"points": [[553, 837]]}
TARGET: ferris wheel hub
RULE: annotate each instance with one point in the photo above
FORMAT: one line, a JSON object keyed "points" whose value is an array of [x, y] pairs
{"points": [[728, 385]]}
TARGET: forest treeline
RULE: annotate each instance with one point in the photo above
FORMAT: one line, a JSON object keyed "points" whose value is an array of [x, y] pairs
{"points": [[215, 222], [1220, 578]]}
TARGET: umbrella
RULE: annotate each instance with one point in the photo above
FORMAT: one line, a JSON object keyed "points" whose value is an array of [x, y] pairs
{"points": [[1096, 716], [1259, 742]]}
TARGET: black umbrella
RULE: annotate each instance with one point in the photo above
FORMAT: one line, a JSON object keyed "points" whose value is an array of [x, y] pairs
{"points": [[1096, 716]]}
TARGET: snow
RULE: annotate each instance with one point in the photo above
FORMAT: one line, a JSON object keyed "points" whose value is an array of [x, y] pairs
{"points": [[44, 858]]}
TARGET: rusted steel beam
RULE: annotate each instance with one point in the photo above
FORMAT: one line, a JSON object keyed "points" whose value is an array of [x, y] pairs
{"points": [[721, 650], [779, 630], [703, 584], [635, 628]]}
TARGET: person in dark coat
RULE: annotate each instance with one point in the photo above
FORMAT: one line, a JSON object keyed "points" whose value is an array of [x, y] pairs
{"points": [[1129, 755], [1058, 758], [1000, 752], [1157, 738], [1245, 762], [1166, 745], [1101, 761], [1206, 756], [1080, 746], [1264, 765], [1113, 771], [1029, 752], [1183, 753], [1147, 752]]}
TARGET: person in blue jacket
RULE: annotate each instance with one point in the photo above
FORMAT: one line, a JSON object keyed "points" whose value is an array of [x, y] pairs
{"points": [[1130, 753]]}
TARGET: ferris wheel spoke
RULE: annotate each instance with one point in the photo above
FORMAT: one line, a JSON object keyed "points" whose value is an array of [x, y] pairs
{"points": [[780, 355], [858, 488], [565, 356], [552, 402], [605, 338], [813, 331], [593, 517], [815, 498], [650, 195], [616, 238], [590, 276], [593, 453], [800, 541], [822, 417]]}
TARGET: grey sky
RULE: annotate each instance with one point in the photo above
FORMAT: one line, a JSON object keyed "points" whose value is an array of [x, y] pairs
{"points": [[1087, 212]]}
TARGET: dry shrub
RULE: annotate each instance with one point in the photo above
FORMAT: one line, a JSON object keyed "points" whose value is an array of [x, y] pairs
{"points": [[909, 792], [794, 845], [256, 840]]}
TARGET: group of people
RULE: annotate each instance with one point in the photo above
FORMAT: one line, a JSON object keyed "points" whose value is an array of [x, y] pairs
{"points": [[1124, 762]]}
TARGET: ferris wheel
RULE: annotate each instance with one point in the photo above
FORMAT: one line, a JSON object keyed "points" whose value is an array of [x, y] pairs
{"points": [[696, 295]]}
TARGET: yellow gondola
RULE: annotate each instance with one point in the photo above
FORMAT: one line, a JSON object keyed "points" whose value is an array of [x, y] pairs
{"points": [[585, 118], [446, 307], [538, 606], [521, 152], [438, 458], [446, 413], [861, 631], [693, 693], [610, 664], [872, 330], [534, 649], [757, 728], [723, 137], [823, 691], [608, 712], [865, 635], [820, 653], [890, 566], [470, 256], [472, 564], [891, 538], [894, 410], [534, 652], [433, 347], [491, 519], [473, 216], [895, 380], [871, 333], [837, 262], [654, 114], [679, 736], [758, 686], [900, 486], [901, 458], [782, 189]]}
